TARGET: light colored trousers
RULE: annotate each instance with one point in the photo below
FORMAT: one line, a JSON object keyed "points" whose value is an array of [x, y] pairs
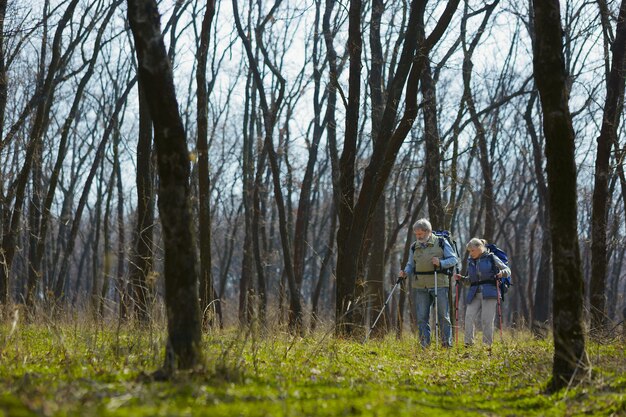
{"points": [[487, 309]]}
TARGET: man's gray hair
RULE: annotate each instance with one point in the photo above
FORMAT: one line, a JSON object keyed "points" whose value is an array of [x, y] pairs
{"points": [[423, 224]]}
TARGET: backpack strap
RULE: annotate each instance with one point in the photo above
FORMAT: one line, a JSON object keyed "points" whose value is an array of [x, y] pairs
{"points": [[494, 267]]}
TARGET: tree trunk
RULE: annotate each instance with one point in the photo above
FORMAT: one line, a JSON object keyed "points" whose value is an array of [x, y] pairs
{"points": [[608, 135], [541, 303], [432, 159], [95, 250], [121, 279], [141, 266], [347, 308], [247, 263], [3, 78], [375, 284], [304, 204], [570, 358], [207, 293], [107, 260], [181, 272]]}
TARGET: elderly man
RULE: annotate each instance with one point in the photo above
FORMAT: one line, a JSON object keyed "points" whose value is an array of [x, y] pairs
{"points": [[428, 257]]}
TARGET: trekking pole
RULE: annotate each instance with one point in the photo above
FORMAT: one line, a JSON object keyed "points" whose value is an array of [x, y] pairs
{"points": [[499, 308], [436, 313], [380, 313], [456, 314]]}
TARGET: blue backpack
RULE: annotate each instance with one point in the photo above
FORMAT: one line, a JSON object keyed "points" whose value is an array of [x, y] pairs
{"points": [[444, 234], [505, 282]]}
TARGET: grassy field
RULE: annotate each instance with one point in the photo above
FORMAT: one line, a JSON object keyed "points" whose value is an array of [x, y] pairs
{"points": [[77, 369]]}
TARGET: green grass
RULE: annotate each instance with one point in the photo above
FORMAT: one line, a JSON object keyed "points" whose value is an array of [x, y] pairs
{"points": [[82, 370]]}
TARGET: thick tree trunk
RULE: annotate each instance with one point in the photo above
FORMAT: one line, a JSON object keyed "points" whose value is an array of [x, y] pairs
{"points": [[570, 358], [181, 269], [599, 214], [347, 308]]}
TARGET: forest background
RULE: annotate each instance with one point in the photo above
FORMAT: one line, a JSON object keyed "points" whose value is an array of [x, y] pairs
{"points": [[318, 132]]}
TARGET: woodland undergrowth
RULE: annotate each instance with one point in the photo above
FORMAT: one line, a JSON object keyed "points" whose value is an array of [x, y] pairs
{"points": [[75, 367]]}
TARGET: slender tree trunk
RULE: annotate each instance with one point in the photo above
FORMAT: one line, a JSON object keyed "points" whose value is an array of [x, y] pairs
{"points": [[570, 358], [207, 293], [95, 250], [3, 78], [331, 120], [541, 303], [247, 263], [599, 214], [304, 204], [181, 269], [121, 280], [107, 258], [432, 160], [141, 266], [324, 269]]}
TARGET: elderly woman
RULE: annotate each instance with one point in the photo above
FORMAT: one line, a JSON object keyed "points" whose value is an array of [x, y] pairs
{"points": [[483, 271]]}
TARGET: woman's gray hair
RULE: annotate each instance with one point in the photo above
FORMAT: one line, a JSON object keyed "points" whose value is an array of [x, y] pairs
{"points": [[423, 224], [476, 243]]}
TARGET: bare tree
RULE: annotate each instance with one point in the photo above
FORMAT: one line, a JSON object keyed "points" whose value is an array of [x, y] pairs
{"points": [[207, 292], [43, 96], [570, 358], [481, 136], [181, 273], [142, 259], [354, 217], [270, 113], [3, 72], [606, 139]]}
